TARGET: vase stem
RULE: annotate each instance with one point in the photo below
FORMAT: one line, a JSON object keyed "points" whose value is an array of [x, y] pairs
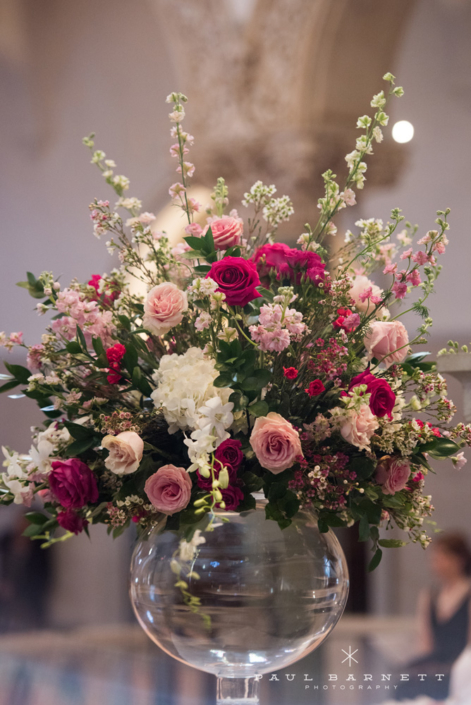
{"points": [[237, 691]]}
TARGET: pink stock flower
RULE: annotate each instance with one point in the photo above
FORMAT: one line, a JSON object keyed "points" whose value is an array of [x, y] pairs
{"points": [[275, 442], [366, 294], [86, 314], [164, 308], [227, 231], [390, 269], [194, 230], [407, 253], [359, 426], [399, 290], [176, 190], [348, 197], [392, 474], [169, 489], [414, 277], [420, 257], [34, 357], [387, 341]]}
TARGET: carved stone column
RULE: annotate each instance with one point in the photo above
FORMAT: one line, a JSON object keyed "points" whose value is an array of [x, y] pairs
{"points": [[276, 98]]}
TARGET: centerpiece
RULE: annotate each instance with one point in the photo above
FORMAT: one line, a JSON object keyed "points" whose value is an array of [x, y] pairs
{"points": [[254, 397]]}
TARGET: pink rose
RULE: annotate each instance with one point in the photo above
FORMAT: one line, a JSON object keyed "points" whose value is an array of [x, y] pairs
{"points": [[387, 341], [289, 263], [275, 443], [305, 263], [70, 521], [227, 232], [392, 474], [237, 278], [72, 483], [163, 308], [360, 285], [126, 451], [169, 489], [359, 426]]}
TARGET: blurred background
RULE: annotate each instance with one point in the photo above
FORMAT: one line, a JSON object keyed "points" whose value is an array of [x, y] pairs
{"points": [[274, 88]]}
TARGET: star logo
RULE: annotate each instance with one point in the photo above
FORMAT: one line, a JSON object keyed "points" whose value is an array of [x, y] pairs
{"points": [[349, 655]]}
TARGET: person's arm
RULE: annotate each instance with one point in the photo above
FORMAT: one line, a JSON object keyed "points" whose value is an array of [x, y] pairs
{"points": [[425, 635]]}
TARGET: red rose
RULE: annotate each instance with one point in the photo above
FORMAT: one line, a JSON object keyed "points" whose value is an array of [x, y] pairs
{"points": [[108, 297], [315, 388], [72, 483], [237, 278], [382, 397], [290, 372], [114, 356], [232, 497], [70, 521]]}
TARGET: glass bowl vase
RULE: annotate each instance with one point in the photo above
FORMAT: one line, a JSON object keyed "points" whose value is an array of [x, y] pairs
{"points": [[251, 599]]}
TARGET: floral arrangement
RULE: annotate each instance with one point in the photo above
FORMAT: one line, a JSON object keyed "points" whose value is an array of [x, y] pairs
{"points": [[247, 365]]}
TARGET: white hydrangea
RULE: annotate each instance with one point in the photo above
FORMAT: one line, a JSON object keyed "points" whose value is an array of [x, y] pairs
{"points": [[184, 385]]}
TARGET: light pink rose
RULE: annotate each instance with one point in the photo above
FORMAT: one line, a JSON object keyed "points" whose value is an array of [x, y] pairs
{"points": [[359, 426], [359, 286], [169, 489], [125, 452], [387, 341], [392, 474], [275, 443], [164, 307], [227, 232]]}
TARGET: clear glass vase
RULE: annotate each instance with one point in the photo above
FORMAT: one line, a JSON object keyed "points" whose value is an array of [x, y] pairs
{"points": [[263, 597]]}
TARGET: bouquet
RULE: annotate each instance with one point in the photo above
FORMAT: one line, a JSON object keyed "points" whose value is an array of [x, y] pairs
{"points": [[243, 365]]}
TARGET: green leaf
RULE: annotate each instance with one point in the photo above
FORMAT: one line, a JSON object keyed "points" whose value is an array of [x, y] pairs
{"points": [[256, 381], [130, 358], [364, 529], [140, 382], [79, 447], [196, 243], [392, 543], [209, 240], [224, 380], [260, 408], [125, 322], [73, 347], [81, 339], [8, 385], [33, 530], [36, 518], [375, 561], [98, 347], [439, 448], [332, 520], [78, 431], [20, 373], [247, 503], [363, 467], [202, 268]]}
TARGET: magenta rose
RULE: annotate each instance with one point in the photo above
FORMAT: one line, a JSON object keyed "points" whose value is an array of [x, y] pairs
{"points": [[392, 474], [232, 497], [228, 454], [271, 258], [72, 483], [305, 263], [169, 489], [227, 232], [275, 442], [382, 397], [237, 278], [70, 521]]}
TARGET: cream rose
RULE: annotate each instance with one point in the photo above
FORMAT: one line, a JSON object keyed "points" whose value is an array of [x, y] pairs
{"points": [[359, 286], [164, 308], [125, 452], [275, 443], [359, 426], [387, 341]]}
